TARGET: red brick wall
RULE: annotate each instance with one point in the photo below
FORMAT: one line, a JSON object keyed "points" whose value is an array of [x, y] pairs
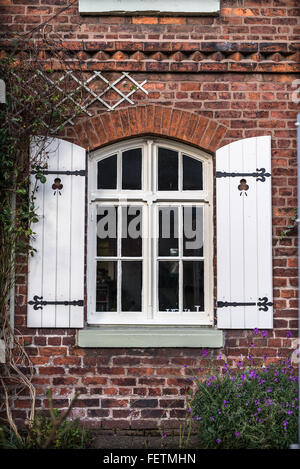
{"points": [[236, 70], [240, 20]]}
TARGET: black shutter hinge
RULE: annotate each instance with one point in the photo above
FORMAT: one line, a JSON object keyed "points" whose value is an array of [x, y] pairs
{"points": [[77, 172], [260, 174], [262, 303], [38, 302]]}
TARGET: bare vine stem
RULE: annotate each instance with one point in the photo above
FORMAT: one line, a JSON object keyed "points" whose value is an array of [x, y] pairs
{"points": [[32, 110]]}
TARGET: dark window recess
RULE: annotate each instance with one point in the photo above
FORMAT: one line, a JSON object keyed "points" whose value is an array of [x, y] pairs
{"points": [[193, 285], [168, 285], [167, 170], [107, 226], [131, 243], [132, 169], [107, 173], [192, 174], [106, 286], [192, 231], [168, 231], [131, 286]]}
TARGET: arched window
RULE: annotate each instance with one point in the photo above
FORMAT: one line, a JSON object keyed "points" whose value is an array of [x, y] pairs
{"points": [[150, 234]]}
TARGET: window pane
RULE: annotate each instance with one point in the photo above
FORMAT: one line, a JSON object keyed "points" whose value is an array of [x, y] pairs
{"points": [[106, 231], [131, 231], [192, 174], [168, 231], [193, 231], [168, 285], [193, 285], [107, 173], [167, 170], [132, 169], [131, 285], [106, 286]]}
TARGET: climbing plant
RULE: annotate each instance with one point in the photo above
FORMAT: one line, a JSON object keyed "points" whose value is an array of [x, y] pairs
{"points": [[34, 112], [292, 225]]}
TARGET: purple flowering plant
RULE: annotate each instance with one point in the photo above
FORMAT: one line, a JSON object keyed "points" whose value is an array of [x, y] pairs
{"points": [[249, 407]]}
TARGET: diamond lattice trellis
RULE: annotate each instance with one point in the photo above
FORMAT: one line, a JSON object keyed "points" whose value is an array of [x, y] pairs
{"points": [[84, 90], [91, 96]]}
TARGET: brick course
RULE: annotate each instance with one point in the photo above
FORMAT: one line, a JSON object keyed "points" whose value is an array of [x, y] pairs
{"points": [[211, 81]]}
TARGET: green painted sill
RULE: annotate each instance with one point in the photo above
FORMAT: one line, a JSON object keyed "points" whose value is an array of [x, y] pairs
{"points": [[149, 336]]}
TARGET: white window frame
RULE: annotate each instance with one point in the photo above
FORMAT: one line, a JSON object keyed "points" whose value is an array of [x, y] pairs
{"points": [[148, 197]]}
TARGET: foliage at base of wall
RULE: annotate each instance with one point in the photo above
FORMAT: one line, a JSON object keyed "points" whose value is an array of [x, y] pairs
{"points": [[251, 409], [70, 435]]}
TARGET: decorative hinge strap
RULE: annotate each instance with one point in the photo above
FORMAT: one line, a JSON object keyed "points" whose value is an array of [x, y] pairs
{"points": [[262, 303], [77, 172], [38, 302], [260, 174]]}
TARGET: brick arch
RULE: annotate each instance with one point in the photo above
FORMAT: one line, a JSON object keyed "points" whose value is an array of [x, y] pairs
{"points": [[162, 121]]}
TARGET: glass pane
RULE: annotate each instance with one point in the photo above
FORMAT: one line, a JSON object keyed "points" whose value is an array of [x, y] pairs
{"points": [[132, 169], [168, 285], [167, 170], [106, 231], [131, 286], [168, 231], [192, 174], [107, 173], [131, 231], [193, 231], [106, 286], [193, 285]]}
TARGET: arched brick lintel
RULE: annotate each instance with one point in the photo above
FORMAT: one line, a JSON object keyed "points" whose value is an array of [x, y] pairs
{"points": [[162, 121]]}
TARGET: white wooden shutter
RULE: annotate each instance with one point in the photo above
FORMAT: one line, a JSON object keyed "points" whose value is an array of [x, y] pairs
{"points": [[56, 271], [244, 235]]}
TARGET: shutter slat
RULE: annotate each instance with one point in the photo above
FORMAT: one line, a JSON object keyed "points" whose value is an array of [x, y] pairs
{"points": [[244, 235], [236, 239], [35, 271], [223, 223], [56, 272], [63, 236], [249, 202], [264, 237], [50, 241]]}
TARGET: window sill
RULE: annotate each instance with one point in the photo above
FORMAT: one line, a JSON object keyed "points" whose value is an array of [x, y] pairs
{"points": [[156, 7], [149, 336]]}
